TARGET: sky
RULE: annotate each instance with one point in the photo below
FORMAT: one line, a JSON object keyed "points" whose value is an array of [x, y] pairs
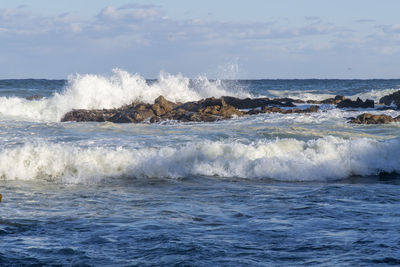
{"points": [[253, 39]]}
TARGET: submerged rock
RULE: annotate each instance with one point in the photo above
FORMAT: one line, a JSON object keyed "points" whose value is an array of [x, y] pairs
{"points": [[368, 118], [34, 97], [348, 103], [332, 101], [249, 103], [289, 111]]}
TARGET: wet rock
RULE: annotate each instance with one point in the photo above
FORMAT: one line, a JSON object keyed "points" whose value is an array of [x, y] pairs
{"points": [[332, 101], [246, 103], [289, 100], [122, 117], [253, 111], [162, 106], [251, 103], [141, 115], [34, 97], [336, 100], [209, 109], [84, 115], [391, 99], [348, 103], [368, 118], [289, 111]]}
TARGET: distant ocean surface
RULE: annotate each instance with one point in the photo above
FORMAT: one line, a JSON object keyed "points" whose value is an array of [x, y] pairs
{"points": [[263, 190]]}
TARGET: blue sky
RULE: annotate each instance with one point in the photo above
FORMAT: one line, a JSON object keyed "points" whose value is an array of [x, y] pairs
{"points": [[221, 39]]}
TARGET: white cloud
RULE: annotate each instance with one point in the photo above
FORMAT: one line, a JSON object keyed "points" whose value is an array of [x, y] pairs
{"points": [[131, 12], [144, 31]]}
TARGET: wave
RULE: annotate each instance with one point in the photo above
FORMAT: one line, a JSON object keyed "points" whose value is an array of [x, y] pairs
{"points": [[314, 95], [299, 94], [328, 158], [96, 92]]}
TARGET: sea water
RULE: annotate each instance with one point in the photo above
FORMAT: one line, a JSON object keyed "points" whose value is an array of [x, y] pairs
{"points": [[261, 190]]}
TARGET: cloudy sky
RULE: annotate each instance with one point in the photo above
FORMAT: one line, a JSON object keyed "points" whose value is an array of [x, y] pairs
{"points": [[218, 38]]}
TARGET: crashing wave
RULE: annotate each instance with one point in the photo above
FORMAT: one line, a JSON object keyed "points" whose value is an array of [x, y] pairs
{"points": [[328, 158]]}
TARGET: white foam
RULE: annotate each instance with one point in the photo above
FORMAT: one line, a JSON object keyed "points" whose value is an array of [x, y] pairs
{"points": [[375, 94], [312, 95], [286, 160], [96, 92], [300, 94]]}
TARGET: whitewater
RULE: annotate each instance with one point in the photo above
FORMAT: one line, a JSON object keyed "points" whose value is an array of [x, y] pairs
{"points": [[261, 190]]}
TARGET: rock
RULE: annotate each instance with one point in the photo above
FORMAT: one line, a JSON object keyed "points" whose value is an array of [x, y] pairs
{"points": [[34, 97], [368, 118], [289, 100], [123, 117], [209, 109], [251, 103], [162, 106], [332, 101], [348, 103], [246, 103], [141, 115], [253, 111], [391, 99], [311, 109], [288, 111], [84, 115]]}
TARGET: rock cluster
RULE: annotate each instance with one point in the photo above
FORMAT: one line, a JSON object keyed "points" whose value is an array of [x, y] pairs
{"points": [[212, 109], [348, 103], [367, 118], [391, 99], [209, 109]]}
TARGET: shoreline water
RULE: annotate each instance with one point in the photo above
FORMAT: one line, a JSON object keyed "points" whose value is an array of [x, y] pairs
{"points": [[266, 189]]}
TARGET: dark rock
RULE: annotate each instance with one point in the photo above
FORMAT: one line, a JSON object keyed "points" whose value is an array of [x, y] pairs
{"points": [[84, 115], [34, 97], [348, 103], [141, 115], [122, 117], [289, 100], [250, 103], [209, 109], [246, 103], [368, 118], [288, 111], [332, 101], [336, 100], [253, 111], [391, 99]]}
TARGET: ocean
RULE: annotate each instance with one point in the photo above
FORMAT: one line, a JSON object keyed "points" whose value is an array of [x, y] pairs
{"points": [[263, 190]]}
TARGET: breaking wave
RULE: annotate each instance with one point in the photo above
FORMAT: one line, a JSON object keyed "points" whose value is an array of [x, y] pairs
{"points": [[96, 92], [314, 95], [328, 158]]}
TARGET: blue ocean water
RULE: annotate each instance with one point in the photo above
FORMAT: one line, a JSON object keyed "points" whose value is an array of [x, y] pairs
{"points": [[262, 190]]}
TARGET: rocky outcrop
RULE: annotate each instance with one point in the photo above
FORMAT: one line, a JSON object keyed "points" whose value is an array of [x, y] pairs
{"points": [[213, 109], [209, 109], [391, 99], [348, 103], [368, 118]]}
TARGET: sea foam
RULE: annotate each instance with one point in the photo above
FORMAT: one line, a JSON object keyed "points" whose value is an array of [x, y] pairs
{"points": [[328, 158], [96, 92], [314, 95]]}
